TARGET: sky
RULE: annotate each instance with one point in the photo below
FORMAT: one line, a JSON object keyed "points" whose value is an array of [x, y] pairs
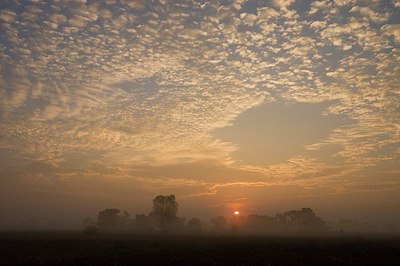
{"points": [[256, 106]]}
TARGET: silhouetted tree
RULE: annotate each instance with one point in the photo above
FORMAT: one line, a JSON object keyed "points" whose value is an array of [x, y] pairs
{"points": [[108, 218], [113, 219], [234, 229], [260, 224], [89, 226], [164, 212], [90, 229], [143, 224], [87, 222], [165, 206], [194, 226], [219, 223], [236, 223], [301, 220], [124, 219]]}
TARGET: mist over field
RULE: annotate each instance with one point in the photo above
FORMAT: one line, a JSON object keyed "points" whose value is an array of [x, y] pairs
{"points": [[163, 219]]}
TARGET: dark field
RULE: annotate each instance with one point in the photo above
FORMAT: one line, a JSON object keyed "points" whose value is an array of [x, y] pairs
{"points": [[56, 248]]}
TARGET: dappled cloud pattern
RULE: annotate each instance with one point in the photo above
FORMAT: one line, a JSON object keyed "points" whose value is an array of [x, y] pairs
{"points": [[120, 89]]}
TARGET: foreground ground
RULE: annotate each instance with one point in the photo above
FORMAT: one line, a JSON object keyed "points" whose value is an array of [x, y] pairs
{"points": [[69, 248]]}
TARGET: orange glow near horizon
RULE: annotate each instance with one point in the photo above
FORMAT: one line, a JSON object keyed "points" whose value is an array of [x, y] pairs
{"points": [[236, 213]]}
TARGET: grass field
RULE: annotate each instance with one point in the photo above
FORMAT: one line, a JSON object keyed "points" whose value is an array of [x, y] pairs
{"points": [[74, 248]]}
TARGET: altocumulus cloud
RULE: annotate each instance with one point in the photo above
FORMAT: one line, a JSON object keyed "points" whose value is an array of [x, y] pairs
{"points": [[147, 82]]}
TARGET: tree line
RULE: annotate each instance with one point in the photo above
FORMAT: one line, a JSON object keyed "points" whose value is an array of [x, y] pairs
{"points": [[163, 219]]}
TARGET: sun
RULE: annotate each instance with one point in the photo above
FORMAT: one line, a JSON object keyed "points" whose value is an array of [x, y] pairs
{"points": [[236, 213]]}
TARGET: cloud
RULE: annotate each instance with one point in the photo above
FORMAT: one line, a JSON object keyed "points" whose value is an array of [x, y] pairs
{"points": [[318, 5], [266, 13], [318, 24], [392, 30], [237, 4], [344, 2], [369, 13], [57, 18], [149, 82], [135, 4], [7, 15], [283, 4], [14, 87], [248, 19]]}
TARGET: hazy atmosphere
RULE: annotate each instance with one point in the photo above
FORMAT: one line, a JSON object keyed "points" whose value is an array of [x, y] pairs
{"points": [[259, 107]]}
